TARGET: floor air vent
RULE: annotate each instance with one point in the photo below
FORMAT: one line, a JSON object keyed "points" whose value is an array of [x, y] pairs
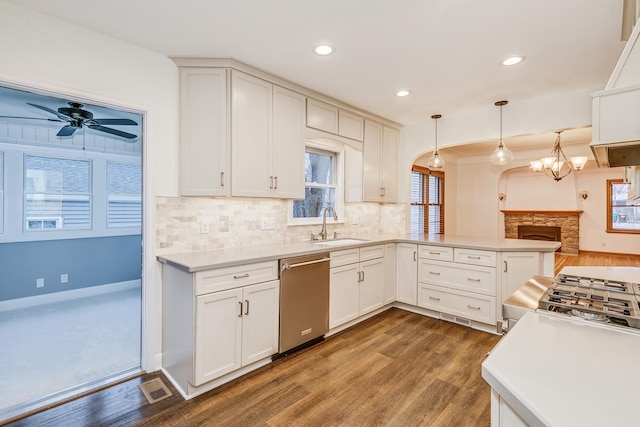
{"points": [[455, 319], [155, 390]]}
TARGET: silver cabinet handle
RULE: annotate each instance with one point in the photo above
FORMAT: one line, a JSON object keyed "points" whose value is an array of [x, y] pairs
{"points": [[246, 313], [471, 279], [362, 276], [473, 257], [240, 314], [434, 253], [270, 183], [434, 298], [221, 179], [435, 273], [473, 307], [382, 191], [505, 266], [241, 276], [275, 178], [415, 255]]}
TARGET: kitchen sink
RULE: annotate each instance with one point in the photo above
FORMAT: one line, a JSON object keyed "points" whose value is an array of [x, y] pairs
{"points": [[338, 242]]}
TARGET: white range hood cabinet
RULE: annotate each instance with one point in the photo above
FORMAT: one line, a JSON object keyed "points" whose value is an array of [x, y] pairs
{"points": [[616, 111]]}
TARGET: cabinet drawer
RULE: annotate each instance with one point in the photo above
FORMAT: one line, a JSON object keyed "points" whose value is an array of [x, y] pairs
{"points": [[371, 252], [234, 277], [474, 307], [475, 257], [345, 257], [440, 253], [458, 276]]}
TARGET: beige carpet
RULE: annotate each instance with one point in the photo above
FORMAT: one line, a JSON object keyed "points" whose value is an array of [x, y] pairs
{"points": [[49, 348]]}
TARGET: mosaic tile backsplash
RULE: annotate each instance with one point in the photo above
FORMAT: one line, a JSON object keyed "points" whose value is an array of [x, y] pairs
{"points": [[237, 222]]}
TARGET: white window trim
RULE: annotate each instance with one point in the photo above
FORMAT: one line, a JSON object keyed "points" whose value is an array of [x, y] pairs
{"points": [[339, 150]]}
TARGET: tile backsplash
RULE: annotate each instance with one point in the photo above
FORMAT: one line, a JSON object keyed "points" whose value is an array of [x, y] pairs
{"points": [[237, 222]]}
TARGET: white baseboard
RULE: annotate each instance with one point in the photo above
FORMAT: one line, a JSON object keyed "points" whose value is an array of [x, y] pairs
{"points": [[27, 302]]}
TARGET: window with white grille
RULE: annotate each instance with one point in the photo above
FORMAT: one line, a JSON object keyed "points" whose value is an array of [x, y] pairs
{"points": [[124, 195], [57, 193]]}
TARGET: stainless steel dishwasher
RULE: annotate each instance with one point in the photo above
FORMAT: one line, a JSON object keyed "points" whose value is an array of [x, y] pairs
{"points": [[304, 300]]}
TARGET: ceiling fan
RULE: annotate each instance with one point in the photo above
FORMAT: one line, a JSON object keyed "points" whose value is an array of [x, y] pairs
{"points": [[76, 117]]}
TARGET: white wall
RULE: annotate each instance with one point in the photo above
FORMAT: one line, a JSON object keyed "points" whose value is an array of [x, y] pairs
{"points": [[50, 55]]}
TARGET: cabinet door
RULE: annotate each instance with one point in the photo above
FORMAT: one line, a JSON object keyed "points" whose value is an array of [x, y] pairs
{"points": [[407, 273], [343, 295], [218, 335], [516, 268], [350, 125], [371, 285], [372, 161], [288, 144], [261, 304], [389, 287], [203, 132], [251, 114], [322, 116], [389, 164]]}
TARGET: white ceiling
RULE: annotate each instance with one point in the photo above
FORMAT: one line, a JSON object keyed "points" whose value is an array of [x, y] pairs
{"points": [[446, 52]]}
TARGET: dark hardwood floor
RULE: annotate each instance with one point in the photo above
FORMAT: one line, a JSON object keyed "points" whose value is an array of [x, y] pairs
{"points": [[395, 369]]}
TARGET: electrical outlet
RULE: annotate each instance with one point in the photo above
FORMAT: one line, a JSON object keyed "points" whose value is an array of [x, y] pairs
{"points": [[204, 227], [64, 278], [268, 223], [39, 283]]}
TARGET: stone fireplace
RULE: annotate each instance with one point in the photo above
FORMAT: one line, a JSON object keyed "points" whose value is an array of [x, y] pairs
{"points": [[562, 226]]}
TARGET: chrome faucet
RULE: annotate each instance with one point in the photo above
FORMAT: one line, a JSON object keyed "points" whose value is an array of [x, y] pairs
{"points": [[323, 232]]}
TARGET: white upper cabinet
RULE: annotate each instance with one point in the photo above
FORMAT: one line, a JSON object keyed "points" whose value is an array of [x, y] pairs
{"points": [[350, 125], [322, 116], [204, 141], [380, 158], [267, 149], [331, 119]]}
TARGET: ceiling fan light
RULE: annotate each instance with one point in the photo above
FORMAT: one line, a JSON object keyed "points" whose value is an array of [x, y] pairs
{"points": [[578, 162], [536, 165]]}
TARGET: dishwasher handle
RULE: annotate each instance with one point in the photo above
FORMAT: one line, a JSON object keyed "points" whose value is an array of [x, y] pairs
{"points": [[300, 264]]}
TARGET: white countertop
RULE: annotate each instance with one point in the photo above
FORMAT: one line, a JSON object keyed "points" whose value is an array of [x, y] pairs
{"points": [[559, 372], [205, 260], [621, 274]]}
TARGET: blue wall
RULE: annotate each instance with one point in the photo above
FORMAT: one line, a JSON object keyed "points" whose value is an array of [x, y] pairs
{"points": [[88, 262]]}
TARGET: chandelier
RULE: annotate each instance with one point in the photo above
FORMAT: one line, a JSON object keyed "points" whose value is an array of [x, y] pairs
{"points": [[501, 155], [553, 165], [436, 162]]}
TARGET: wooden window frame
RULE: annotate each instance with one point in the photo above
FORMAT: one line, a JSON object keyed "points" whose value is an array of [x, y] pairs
{"points": [[610, 228], [439, 174]]}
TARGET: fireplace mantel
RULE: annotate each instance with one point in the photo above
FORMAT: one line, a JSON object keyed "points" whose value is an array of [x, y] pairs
{"points": [[540, 212]]}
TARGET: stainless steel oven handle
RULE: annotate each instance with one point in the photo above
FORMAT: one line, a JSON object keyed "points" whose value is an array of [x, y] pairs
{"points": [[300, 264]]}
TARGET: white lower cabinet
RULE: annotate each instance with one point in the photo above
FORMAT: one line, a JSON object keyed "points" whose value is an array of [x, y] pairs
{"points": [[235, 328], [389, 287], [516, 268], [458, 282], [356, 283], [407, 273], [207, 335]]}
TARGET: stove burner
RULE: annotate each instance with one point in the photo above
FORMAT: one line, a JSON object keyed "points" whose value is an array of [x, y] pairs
{"points": [[592, 317]]}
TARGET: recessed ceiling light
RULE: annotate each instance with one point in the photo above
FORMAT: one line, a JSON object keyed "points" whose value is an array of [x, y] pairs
{"points": [[513, 60], [403, 93], [323, 49]]}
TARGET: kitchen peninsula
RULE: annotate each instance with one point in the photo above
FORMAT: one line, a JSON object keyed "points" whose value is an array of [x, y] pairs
{"points": [[454, 278]]}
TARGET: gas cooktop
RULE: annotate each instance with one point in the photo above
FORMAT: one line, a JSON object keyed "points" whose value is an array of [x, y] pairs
{"points": [[599, 300]]}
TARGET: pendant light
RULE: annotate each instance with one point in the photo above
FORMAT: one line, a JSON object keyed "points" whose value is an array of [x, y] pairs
{"points": [[553, 165], [501, 155], [436, 162]]}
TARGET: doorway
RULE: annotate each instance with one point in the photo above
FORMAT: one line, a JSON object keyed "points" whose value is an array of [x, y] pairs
{"points": [[70, 247]]}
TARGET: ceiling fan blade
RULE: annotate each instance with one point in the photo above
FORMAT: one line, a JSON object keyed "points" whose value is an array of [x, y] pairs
{"points": [[30, 118], [113, 131], [49, 110], [125, 122], [67, 130]]}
